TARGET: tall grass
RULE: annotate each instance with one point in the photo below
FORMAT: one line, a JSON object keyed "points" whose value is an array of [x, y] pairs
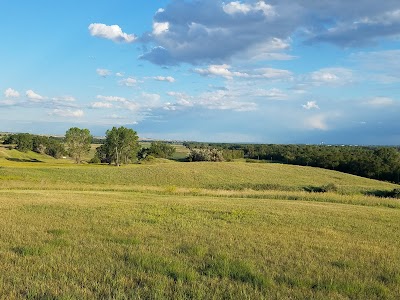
{"points": [[194, 231]]}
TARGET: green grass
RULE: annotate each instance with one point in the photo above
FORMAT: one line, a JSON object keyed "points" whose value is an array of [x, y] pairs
{"points": [[194, 231]]}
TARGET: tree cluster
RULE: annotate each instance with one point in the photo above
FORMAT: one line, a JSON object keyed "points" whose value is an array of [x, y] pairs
{"points": [[25, 142], [157, 149], [121, 146], [229, 151]]}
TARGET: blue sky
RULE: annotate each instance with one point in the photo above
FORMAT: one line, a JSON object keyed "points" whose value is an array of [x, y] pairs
{"points": [[278, 71]]}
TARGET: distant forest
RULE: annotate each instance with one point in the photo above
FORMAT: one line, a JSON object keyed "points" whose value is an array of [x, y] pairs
{"points": [[377, 162]]}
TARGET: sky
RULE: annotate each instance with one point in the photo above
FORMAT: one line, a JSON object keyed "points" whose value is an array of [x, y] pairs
{"points": [[279, 71]]}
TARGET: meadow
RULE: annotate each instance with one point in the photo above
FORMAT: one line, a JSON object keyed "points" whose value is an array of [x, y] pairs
{"points": [[171, 230]]}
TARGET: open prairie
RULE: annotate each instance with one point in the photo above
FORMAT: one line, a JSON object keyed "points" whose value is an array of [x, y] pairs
{"points": [[193, 231]]}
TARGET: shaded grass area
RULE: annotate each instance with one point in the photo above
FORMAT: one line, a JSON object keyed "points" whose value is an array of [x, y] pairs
{"points": [[63, 245]]}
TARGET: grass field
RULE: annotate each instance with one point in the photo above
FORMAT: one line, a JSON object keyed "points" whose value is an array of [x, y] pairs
{"points": [[193, 231]]}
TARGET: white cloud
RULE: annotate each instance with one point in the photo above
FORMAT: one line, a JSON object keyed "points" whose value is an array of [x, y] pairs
{"points": [[128, 82], [270, 73], [274, 94], [103, 72], [119, 74], [101, 105], [64, 99], [113, 32], [267, 9], [162, 78], [317, 122], [236, 7], [11, 93], [160, 28], [217, 70], [111, 98], [216, 100], [310, 105], [121, 102], [262, 73], [380, 101], [34, 96], [67, 113], [329, 76]]}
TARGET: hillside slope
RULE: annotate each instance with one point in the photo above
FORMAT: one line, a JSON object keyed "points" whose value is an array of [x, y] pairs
{"points": [[215, 176]]}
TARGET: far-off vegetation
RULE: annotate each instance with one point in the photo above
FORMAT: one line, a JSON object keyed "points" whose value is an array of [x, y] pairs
{"points": [[121, 146], [227, 225]]}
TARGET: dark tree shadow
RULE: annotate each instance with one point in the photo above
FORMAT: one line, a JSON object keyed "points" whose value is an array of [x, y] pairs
{"points": [[395, 193], [24, 160]]}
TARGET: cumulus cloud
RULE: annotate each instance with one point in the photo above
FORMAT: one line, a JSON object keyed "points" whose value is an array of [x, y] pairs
{"points": [[236, 7], [129, 82], [183, 28], [111, 98], [164, 78], [262, 73], [11, 93], [64, 99], [113, 32], [101, 105], [103, 72], [329, 76], [310, 105], [68, 113], [215, 100], [160, 28], [34, 96]]}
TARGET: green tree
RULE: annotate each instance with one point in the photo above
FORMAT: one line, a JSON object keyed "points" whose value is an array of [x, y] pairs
{"points": [[160, 149], [24, 142], [121, 145], [39, 143], [55, 148], [78, 142]]}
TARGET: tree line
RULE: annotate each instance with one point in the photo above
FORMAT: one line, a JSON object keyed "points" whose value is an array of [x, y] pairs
{"points": [[41, 144], [375, 162], [120, 146]]}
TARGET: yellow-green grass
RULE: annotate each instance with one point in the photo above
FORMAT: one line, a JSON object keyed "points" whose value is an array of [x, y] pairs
{"points": [[118, 245], [225, 176], [194, 231]]}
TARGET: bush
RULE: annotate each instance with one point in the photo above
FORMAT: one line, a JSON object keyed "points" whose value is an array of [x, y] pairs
{"points": [[330, 187], [95, 160], [206, 154]]}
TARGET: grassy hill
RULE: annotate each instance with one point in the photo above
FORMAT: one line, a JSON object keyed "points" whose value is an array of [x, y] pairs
{"points": [[193, 231]]}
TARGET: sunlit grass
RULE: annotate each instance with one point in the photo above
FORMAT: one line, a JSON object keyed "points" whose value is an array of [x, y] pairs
{"points": [[194, 231]]}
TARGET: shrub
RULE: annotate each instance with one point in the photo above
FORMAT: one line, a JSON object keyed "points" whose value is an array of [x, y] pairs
{"points": [[205, 154]]}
